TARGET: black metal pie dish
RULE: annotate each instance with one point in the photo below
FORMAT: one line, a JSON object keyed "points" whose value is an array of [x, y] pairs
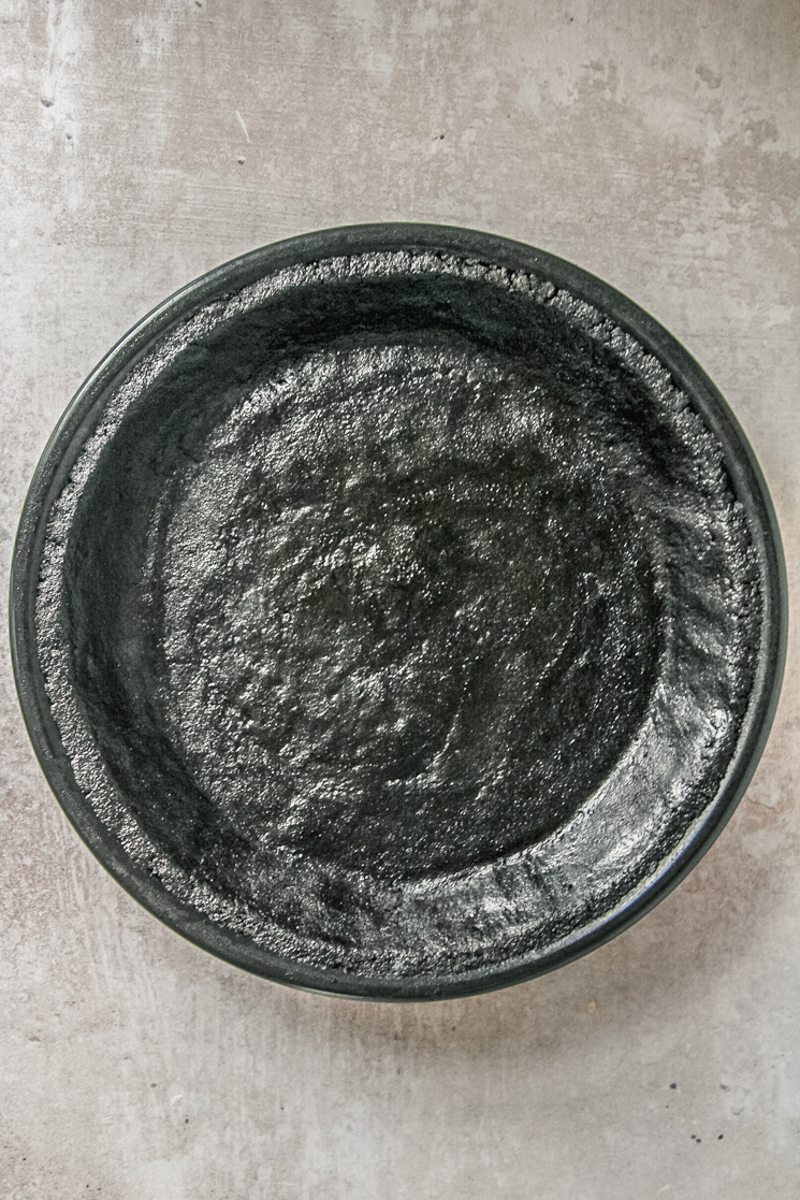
{"points": [[398, 611]]}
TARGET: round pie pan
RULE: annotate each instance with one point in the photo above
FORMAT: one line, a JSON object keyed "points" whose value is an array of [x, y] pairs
{"points": [[398, 611]]}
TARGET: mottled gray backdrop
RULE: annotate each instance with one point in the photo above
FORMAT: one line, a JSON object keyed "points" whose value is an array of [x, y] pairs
{"points": [[657, 144]]}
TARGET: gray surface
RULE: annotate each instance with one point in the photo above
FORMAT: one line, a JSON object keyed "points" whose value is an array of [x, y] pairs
{"points": [[656, 145]]}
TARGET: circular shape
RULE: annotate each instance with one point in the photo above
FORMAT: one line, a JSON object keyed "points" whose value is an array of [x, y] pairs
{"points": [[398, 611], [347, 599]]}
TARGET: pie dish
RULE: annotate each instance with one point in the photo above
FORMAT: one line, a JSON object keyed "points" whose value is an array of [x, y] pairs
{"points": [[398, 611]]}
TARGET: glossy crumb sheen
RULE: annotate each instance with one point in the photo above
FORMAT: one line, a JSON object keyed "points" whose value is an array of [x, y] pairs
{"points": [[399, 615]]}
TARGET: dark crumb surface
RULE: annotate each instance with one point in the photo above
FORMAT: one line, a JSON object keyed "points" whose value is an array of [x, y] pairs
{"points": [[398, 616]]}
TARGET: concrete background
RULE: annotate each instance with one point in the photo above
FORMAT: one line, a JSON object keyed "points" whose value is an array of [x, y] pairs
{"points": [[654, 143]]}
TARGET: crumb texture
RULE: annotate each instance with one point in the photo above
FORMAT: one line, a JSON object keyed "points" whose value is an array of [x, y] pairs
{"points": [[399, 614]]}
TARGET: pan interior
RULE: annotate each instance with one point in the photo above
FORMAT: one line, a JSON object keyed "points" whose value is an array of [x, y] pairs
{"points": [[409, 618]]}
